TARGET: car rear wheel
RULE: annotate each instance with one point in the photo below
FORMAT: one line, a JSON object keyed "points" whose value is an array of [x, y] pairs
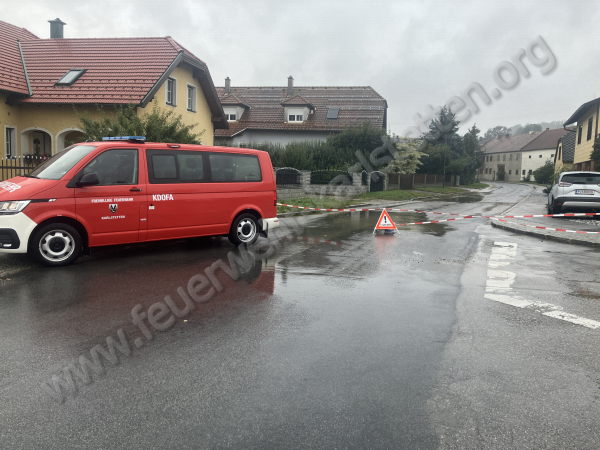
{"points": [[244, 229], [56, 244]]}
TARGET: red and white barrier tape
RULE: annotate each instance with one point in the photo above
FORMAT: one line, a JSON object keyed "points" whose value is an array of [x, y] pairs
{"points": [[548, 228], [461, 216]]}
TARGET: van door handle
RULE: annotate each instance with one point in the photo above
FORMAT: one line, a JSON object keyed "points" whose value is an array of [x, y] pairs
{"points": [[134, 190]]}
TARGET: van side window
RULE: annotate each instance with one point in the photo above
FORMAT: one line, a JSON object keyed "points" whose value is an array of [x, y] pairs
{"points": [[191, 166], [164, 167], [176, 166], [228, 167], [115, 167]]}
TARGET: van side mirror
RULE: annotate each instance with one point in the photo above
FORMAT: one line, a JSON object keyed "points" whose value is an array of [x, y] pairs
{"points": [[89, 179]]}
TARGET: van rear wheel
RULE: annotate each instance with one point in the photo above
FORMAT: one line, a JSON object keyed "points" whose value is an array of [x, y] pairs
{"points": [[244, 230], [56, 244]]}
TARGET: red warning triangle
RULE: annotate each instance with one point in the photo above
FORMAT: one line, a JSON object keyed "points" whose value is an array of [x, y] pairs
{"points": [[385, 222]]}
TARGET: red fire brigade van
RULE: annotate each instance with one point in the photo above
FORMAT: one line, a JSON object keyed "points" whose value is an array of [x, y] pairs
{"points": [[125, 190]]}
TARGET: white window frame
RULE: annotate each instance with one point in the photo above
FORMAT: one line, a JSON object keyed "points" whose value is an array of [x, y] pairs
{"points": [[231, 112], [173, 93], [191, 102], [295, 115], [12, 143]]}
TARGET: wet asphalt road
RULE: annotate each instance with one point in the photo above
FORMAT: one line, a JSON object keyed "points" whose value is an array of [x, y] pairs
{"points": [[363, 342]]}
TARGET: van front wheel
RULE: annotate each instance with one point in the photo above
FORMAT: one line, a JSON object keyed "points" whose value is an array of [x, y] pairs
{"points": [[56, 244], [244, 230]]}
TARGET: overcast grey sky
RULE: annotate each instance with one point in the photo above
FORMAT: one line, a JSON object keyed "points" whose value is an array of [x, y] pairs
{"points": [[412, 53]]}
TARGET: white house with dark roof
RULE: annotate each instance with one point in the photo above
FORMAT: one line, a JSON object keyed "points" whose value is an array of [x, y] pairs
{"points": [[519, 155], [286, 114]]}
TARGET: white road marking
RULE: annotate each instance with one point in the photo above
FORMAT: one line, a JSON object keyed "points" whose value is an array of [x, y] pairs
{"points": [[498, 288]]}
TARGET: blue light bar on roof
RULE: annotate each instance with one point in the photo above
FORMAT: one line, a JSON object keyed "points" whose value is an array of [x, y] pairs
{"points": [[124, 138]]}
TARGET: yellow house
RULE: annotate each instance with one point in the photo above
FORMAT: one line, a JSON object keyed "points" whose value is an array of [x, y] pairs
{"points": [[586, 118], [43, 81]]}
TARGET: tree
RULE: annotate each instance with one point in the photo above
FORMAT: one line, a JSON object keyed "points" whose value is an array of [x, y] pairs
{"points": [[544, 174], [470, 143], [496, 131], [474, 131], [157, 126], [444, 125], [407, 158]]}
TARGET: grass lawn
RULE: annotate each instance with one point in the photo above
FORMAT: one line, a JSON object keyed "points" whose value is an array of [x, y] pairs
{"points": [[396, 195], [476, 186], [313, 203], [443, 190]]}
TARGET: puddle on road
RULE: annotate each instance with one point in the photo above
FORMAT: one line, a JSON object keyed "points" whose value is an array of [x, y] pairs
{"points": [[337, 226]]}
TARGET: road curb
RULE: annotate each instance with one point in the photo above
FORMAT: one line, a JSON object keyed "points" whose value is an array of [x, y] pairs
{"points": [[551, 237]]}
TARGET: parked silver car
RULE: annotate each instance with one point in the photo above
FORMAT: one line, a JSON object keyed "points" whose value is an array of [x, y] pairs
{"points": [[575, 190]]}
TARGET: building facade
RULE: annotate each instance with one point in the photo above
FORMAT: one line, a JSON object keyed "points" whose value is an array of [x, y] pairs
{"points": [[46, 84], [518, 156], [585, 120], [282, 115]]}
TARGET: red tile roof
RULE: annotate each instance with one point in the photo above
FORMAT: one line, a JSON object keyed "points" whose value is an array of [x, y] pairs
{"points": [[232, 100], [357, 106], [297, 101], [12, 75], [117, 70], [121, 70]]}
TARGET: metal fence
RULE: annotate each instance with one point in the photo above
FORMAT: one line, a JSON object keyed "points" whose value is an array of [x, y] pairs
{"points": [[18, 166], [327, 176], [288, 177]]}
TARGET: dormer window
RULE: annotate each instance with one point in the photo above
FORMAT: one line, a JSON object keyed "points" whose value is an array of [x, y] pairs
{"points": [[295, 115], [70, 77], [233, 113]]}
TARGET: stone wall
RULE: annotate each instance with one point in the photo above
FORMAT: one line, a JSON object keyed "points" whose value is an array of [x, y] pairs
{"points": [[306, 189]]}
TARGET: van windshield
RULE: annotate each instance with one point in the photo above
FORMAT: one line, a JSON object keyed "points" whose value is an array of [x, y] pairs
{"points": [[57, 166]]}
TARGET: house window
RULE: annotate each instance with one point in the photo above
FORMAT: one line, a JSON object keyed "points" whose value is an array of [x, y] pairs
{"points": [[510, 157], [579, 134], [498, 159], [230, 117], [529, 156], [295, 115], [589, 130], [552, 155], [530, 171], [9, 142], [503, 157], [517, 158], [191, 98], [510, 172], [540, 156], [523, 172], [171, 92]]}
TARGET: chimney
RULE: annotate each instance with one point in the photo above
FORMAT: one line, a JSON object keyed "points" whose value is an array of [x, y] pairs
{"points": [[56, 28], [290, 89], [227, 86]]}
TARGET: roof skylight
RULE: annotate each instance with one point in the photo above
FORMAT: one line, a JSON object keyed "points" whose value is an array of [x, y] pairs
{"points": [[70, 77], [333, 113]]}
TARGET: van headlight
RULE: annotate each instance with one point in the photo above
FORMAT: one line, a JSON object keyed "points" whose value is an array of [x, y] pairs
{"points": [[13, 207]]}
